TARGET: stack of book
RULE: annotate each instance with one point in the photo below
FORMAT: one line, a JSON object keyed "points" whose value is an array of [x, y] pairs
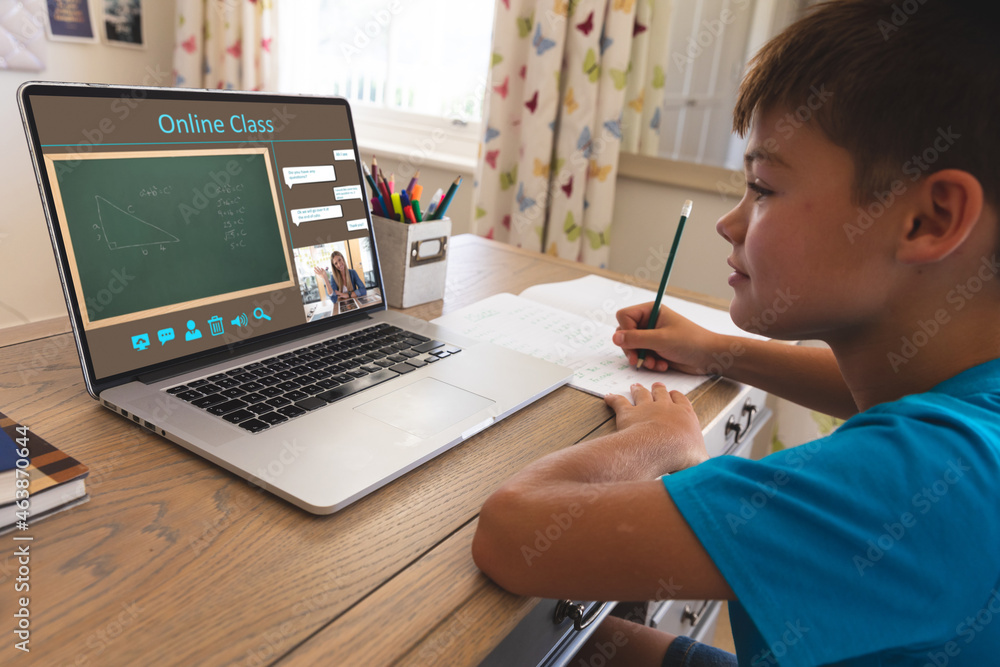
{"points": [[56, 481]]}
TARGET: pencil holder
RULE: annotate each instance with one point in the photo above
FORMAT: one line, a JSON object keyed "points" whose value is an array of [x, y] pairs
{"points": [[413, 259]]}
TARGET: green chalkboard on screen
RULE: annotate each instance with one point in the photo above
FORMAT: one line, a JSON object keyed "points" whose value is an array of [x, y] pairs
{"points": [[156, 232]]}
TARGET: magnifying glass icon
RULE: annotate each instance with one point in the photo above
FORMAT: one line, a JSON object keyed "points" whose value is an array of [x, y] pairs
{"points": [[258, 312]]}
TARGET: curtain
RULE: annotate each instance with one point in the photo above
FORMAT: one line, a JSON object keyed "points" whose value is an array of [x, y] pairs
{"points": [[225, 44], [562, 76]]}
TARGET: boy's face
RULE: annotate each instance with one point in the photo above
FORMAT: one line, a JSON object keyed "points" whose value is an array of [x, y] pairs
{"points": [[797, 273]]}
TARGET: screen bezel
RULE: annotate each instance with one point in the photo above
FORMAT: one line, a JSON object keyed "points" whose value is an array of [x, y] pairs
{"points": [[95, 385]]}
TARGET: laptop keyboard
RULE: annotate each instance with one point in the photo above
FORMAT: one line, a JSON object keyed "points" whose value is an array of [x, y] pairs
{"points": [[272, 391]]}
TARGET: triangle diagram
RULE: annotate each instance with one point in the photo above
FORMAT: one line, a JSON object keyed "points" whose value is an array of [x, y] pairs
{"points": [[124, 230]]}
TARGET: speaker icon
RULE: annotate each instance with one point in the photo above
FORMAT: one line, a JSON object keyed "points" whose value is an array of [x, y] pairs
{"points": [[240, 321]]}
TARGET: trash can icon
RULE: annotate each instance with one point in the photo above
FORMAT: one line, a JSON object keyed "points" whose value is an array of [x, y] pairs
{"points": [[215, 325]]}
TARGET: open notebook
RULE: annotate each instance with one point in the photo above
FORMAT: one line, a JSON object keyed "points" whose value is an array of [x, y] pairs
{"points": [[571, 323]]}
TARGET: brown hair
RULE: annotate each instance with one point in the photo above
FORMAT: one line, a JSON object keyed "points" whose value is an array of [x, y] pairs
{"points": [[341, 278], [907, 87]]}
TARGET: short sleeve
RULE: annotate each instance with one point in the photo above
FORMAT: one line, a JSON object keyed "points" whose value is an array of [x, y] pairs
{"points": [[884, 534]]}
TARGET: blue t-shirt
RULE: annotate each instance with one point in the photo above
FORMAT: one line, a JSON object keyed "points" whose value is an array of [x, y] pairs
{"points": [[877, 545]]}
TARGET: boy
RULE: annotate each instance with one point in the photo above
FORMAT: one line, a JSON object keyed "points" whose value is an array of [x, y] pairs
{"points": [[871, 200]]}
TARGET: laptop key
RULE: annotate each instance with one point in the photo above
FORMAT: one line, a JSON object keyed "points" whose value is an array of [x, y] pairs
{"points": [[428, 346], [370, 368], [358, 373], [384, 363], [253, 425], [235, 392], [291, 411], [409, 353], [238, 416], [402, 368], [355, 386], [296, 395], [197, 383], [328, 383], [208, 401], [178, 389], [272, 418], [278, 402], [310, 403], [220, 409], [189, 395], [260, 408], [416, 363]]}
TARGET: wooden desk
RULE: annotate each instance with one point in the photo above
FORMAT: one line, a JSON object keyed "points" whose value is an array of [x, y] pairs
{"points": [[175, 561]]}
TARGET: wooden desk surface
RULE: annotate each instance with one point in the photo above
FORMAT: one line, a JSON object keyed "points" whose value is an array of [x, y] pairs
{"points": [[174, 561]]}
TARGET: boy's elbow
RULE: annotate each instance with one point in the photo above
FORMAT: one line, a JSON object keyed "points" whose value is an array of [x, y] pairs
{"points": [[496, 544]]}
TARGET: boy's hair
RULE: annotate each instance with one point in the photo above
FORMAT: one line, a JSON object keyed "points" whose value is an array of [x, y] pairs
{"points": [[907, 87]]}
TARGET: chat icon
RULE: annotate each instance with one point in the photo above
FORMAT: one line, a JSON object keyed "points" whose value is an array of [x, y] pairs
{"points": [[165, 335], [300, 215], [318, 174], [347, 192]]}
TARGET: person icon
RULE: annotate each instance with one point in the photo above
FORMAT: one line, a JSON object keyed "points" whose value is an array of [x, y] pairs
{"points": [[192, 332]]}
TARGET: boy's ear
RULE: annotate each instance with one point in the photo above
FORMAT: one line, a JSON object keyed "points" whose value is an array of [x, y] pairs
{"points": [[947, 206]]}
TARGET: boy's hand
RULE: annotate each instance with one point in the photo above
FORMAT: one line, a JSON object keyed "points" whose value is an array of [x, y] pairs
{"points": [[662, 419], [676, 343]]}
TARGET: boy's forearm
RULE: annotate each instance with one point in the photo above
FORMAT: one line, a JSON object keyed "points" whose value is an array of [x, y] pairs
{"points": [[808, 376]]}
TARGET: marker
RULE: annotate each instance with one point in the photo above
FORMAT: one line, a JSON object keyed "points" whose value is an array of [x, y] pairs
{"points": [[651, 324], [443, 208]]}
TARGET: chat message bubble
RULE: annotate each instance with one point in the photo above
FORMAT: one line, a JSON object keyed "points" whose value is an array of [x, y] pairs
{"points": [[355, 225], [347, 192], [343, 155], [321, 174], [300, 215], [165, 334]]}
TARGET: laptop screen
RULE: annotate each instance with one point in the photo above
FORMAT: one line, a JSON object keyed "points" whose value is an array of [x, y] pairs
{"points": [[193, 221]]}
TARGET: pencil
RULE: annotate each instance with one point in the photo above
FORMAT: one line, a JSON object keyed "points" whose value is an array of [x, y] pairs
{"points": [[655, 313], [442, 208]]}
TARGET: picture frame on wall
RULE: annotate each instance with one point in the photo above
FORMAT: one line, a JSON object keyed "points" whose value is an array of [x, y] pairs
{"points": [[70, 21], [123, 23]]}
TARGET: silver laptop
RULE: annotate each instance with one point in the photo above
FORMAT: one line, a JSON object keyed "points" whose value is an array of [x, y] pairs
{"points": [[202, 238]]}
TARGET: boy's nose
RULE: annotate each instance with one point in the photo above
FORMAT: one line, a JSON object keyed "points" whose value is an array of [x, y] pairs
{"points": [[732, 226]]}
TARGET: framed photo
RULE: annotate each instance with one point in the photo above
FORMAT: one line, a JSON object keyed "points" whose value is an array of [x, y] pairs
{"points": [[70, 21], [123, 23]]}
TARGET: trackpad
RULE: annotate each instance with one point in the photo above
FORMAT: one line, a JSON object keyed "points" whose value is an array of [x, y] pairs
{"points": [[425, 407]]}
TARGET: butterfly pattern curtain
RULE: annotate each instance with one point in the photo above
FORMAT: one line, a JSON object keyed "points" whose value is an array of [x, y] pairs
{"points": [[225, 44], [563, 73]]}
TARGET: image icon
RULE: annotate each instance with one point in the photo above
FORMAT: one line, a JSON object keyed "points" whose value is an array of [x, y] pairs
{"points": [[165, 335], [215, 325], [140, 342], [192, 332]]}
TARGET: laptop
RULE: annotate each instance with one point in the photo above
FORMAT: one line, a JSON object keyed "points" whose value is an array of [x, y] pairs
{"points": [[199, 235]]}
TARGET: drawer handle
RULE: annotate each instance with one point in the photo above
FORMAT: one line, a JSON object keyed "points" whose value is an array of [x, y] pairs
{"points": [[693, 616], [567, 609], [748, 412]]}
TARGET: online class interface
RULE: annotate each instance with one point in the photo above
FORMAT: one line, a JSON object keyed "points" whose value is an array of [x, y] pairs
{"points": [[191, 225]]}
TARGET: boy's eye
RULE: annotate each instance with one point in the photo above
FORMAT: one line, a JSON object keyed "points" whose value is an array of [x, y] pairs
{"points": [[758, 190]]}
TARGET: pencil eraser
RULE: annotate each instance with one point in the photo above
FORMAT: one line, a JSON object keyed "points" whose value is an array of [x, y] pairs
{"points": [[686, 209]]}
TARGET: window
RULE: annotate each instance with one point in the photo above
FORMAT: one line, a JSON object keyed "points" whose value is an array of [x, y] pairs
{"points": [[710, 41], [428, 58]]}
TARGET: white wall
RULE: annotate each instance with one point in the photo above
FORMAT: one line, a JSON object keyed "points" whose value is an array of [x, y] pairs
{"points": [[645, 219], [29, 282]]}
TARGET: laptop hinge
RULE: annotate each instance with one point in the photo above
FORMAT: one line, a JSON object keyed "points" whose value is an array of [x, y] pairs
{"points": [[232, 353]]}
